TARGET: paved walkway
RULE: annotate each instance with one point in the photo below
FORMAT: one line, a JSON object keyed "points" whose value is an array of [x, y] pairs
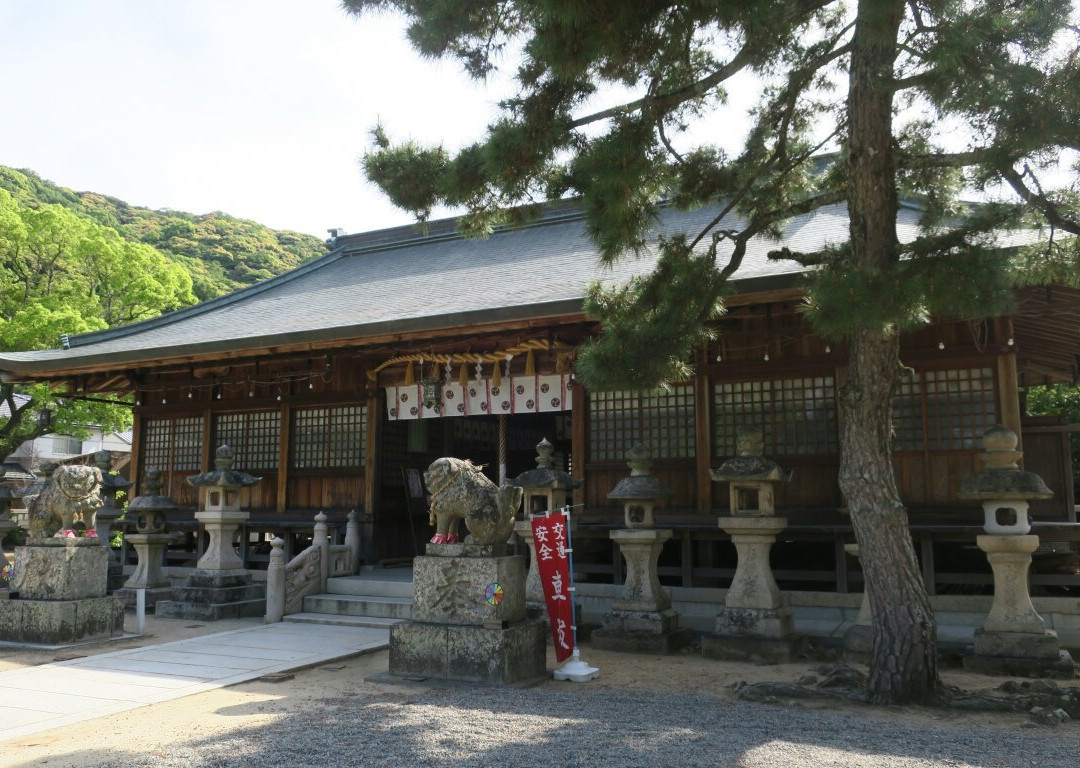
{"points": [[53, 695]]}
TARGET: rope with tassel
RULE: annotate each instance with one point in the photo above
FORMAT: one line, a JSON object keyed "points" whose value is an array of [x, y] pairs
{"points": [[528, 348]]}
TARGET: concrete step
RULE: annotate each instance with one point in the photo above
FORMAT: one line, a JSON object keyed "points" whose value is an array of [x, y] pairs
{"points": [[343, 621], [359, 605], [359, 585]]}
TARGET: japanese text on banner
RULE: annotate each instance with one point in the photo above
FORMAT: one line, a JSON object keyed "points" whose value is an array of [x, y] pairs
{"points": [[553, 567]]}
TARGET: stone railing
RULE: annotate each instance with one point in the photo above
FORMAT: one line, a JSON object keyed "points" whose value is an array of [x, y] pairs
{"points": [[287, 584]]}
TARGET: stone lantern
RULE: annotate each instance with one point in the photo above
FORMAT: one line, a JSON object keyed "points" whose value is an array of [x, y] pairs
{"points": [[1014, 639], [111, 485], [755, 622], [641, 620], [221, 514], [546, 489], [149, 513], [220, 587]]}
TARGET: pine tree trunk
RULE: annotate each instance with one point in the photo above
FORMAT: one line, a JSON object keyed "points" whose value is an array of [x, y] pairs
{"points": [[903, 664]]}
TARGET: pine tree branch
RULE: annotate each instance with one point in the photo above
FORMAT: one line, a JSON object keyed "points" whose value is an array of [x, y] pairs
{"points": [[696, 90], [666, 101], [979, 156], [1037, 199], [760, 223]]}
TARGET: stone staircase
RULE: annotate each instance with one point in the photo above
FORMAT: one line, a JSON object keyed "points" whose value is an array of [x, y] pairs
{"points": [[375, 598]]}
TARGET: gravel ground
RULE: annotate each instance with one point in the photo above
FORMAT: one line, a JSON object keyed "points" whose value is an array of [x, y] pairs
{"points": [[583, 727]]}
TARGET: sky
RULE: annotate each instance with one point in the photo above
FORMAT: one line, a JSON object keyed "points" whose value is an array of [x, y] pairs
{"points": [[259, 108]]}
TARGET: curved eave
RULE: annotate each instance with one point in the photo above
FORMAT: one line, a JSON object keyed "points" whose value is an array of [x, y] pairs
{"points": [[81, 360], [14, 370]]}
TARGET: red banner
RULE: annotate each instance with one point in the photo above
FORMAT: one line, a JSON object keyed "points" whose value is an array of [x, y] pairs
{"points": [[553, 566]]}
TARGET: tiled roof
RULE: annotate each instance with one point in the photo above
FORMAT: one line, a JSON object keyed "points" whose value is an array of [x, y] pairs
{"points": [[5, 411], [399, 279]]}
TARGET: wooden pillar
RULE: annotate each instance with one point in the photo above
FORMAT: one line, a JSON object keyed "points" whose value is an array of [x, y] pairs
{"points": [[502, 448], [578, 425], [135, 465], [371, 457], [1009, 394], [703, 434], [283, 458]]}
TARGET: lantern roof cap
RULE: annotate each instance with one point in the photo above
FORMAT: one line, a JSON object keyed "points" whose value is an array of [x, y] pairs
{"points": [[751, 463], [640, 485], [1001, 476], [223, 475], [546, 475]]}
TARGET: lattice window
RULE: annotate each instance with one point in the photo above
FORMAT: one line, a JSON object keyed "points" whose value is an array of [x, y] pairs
{"points": [[907, 413], [173, 444], [329, 438], [255, 435], [797, 416], [957, 406], [662, 421]]}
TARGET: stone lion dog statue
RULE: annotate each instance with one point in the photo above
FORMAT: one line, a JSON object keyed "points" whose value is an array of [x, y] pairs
{"points": [[459, 490], [72, 491]]}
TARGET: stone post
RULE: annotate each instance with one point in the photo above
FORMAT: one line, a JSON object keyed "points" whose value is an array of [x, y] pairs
{"points": [[1013, 640], [755, 623], [352, 541], [275, 583], [149, 513], [641, 620], [858, 639], [321, 540]]}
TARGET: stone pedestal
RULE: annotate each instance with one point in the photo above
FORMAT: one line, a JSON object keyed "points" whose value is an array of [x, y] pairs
{"points": [[1014, 639], [642, 619], [469, 623], [214, 595], [755, 623], [148, 574], [60, 585], [221, 526], [859, 638]]}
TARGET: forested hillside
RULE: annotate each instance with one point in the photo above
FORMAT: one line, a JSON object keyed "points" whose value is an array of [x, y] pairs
{"points": [[221, 252]]}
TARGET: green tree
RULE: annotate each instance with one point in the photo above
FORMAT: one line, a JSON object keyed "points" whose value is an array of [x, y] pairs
{"points": [[222, 253], [913, 98], [1059, 400], [60, 273]]}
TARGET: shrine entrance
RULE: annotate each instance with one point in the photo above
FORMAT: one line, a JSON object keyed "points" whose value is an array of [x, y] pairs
{"points": [[498, 434]]}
